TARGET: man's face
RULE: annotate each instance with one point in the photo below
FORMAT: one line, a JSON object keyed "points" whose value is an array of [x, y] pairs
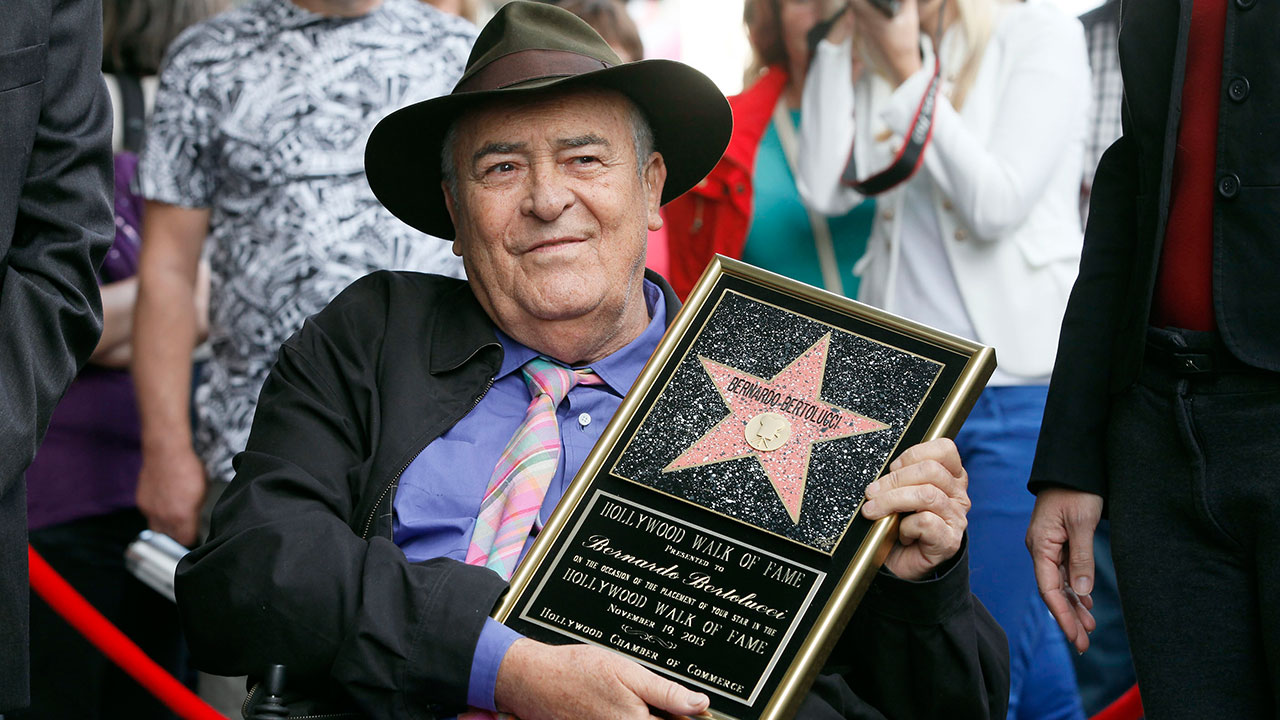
{"points": [[552, 212]]}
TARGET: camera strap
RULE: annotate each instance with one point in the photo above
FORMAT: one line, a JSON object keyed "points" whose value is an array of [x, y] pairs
{"points": [[911, 155]]}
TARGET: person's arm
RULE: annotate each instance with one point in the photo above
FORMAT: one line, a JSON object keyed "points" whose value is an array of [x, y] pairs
{"points": [[115, 347], [171, 484], [920, 645], [284, 579], [916, 650], [1069, 474], [827, 126], [1042, 108], [50, 313]]}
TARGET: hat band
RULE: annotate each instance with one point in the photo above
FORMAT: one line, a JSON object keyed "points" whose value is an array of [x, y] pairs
{"points": [[525, 65]]}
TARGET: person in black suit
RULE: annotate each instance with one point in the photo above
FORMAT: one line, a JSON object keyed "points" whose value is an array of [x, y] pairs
{"points": [[55, 228], [1166, 393]]}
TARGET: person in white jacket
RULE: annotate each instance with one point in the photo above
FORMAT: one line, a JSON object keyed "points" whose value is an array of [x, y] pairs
{"points": [[983, 240]]}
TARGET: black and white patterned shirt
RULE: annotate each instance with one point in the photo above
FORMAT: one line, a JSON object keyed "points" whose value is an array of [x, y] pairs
{"points": [[1102, 34], [262, 117]]}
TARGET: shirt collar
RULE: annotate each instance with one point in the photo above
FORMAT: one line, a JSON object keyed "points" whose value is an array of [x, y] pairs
{"points": [[285, 14], [619, 370]]}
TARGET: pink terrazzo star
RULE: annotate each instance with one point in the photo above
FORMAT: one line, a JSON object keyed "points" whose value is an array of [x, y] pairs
{"points": [[792, 394]]}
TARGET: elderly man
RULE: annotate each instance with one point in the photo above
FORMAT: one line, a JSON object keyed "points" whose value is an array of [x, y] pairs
{"points": [[349, 546]]}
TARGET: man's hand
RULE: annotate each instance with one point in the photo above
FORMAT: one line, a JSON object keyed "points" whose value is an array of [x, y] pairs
{"points": [[171, 487], [1060, 540], [579, 682], [929, 486]]}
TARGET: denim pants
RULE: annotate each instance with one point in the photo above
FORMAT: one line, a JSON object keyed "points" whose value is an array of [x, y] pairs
{"points": [[997, 444]]}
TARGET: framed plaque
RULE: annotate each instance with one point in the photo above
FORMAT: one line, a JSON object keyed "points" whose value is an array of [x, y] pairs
{"points": [[714, 534]]}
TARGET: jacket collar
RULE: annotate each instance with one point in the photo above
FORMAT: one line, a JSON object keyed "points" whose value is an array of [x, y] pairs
{"points": [[752, 111], [461, 330]]}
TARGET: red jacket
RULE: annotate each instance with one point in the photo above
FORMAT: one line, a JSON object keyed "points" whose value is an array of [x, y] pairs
{"points": [[714, 216]]}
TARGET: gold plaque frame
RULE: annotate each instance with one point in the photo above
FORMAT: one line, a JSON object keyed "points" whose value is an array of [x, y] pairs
{"points": [[851, 562]]}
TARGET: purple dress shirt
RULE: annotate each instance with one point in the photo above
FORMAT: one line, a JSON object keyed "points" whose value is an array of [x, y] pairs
{"points": [[435, 517]]}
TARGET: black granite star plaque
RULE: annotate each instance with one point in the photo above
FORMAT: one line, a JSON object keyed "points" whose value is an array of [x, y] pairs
{"points": [[714, 533]]}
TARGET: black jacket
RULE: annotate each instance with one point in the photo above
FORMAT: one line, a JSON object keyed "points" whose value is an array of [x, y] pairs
{"points": [[55, 228], [300, 568], [1103, 332]]}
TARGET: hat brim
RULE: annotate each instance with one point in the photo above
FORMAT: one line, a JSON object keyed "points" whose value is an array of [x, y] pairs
{"points": [[690, 118]]}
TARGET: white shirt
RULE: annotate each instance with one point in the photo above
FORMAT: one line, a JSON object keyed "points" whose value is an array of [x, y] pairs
{"points": [[984, 241]]}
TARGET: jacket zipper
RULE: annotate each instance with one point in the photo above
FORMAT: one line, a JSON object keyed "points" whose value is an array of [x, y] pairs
{"points": [[368, 525]]}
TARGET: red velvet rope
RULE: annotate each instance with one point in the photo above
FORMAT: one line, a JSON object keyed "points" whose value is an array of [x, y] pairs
{"points": [[118, 648], [1126, 707]]}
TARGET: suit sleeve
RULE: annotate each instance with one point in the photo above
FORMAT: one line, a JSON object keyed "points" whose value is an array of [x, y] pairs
{"points": [[1071, 451], [50, 310], [916, 650], [285, 579]]}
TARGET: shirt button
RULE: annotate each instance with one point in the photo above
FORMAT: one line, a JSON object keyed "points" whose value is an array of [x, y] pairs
{"points": [[1238, 89], [1228, 185], [584, 419], [887, 214], [946, 205], [961, 235]]}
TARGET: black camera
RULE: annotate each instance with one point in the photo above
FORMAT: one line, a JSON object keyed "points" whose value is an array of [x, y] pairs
{"points": [[816, 34], [889, 7]]}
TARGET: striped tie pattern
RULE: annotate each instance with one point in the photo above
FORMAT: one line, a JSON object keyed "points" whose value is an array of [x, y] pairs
{"points": [[524, 470]]}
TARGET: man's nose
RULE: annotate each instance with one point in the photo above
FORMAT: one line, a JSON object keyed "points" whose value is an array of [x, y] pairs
{"points": [[549, 193]]}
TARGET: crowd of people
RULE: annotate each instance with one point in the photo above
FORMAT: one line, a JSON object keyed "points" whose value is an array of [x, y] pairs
{"points": [[363, 244]]}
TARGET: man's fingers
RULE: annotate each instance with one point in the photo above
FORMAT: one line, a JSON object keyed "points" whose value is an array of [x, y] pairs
{"points": [[940, 450], [663, 694], [1080, 554], [915, 498], [938, 538], [1050, 581]]}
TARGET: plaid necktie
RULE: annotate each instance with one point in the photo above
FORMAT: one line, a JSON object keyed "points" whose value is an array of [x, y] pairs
{"points": [[524, 471]]}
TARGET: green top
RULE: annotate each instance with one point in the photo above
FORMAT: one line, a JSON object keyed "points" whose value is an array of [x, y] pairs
{"points": [[780, 238]]}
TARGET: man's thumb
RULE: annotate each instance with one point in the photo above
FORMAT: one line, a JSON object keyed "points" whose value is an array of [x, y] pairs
{"points": [[666, 695]]}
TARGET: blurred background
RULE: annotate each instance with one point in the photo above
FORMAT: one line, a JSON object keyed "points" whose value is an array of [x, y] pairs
{"points": [[679, 30]]}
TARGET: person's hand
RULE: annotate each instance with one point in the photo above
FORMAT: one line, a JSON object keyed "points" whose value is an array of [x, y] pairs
{"points": [[929, 486], [894, 41], [537, 681], [171, 487], [842, 28], [1060, 540]]}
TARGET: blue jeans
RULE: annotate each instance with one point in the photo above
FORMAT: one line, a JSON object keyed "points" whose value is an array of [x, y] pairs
{"points": [[997, 444]]}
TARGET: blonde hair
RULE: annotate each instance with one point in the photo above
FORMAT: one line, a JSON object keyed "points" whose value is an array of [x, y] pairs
{"points": [[977, 21]]}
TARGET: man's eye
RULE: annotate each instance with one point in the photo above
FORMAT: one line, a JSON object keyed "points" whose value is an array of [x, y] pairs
{"points": [[586, 159], [502, 167]]}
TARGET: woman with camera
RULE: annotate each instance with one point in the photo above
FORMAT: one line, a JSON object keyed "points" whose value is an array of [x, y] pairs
{"points": [[748, 207], [966, 120]]}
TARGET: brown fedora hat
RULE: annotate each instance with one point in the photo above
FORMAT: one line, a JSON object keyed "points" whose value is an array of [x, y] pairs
{"points": [[530, 47]]}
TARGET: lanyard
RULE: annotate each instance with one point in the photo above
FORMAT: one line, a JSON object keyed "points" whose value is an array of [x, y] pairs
{"points": [[911, 155], [821, 229]]}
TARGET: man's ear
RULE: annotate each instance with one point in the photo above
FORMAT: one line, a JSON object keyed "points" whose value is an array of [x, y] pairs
{"points": [[655, 177], [451, 205]]}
